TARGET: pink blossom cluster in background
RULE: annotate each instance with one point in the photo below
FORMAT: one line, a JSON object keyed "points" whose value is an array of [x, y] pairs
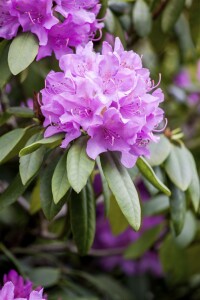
{"points": [[184, 80], [109, 96], [16, 288], [59, 28]]}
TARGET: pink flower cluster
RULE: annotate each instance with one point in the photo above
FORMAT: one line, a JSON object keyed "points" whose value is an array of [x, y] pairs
{"points": [[15, 288], [59, 28], [108, 96]]}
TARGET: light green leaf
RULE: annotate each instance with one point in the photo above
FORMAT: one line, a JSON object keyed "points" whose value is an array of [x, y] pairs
{"points": [[159, 151], [22, 52], [143, 243], [185, 238], [5, 71], [44, 276], [178, 167], [35, 204], [60, 183], [22, 112], [171, 14], [31, 163], [49, 208], [155, 205], [116, 218], [149, 174], [177, 209], [79, 165], [114, 26], [142, 19], [52, 141], [12, 193], [122, 187], [82, 215]]}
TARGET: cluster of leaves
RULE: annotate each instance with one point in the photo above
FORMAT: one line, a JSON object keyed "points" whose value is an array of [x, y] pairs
{"points": [[50, 195]]}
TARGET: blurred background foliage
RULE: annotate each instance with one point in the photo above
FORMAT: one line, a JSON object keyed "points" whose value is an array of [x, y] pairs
{"points": [[167, 35]]}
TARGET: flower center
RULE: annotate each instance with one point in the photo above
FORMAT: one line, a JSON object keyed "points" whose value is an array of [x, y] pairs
{"points": [[110, 135]]}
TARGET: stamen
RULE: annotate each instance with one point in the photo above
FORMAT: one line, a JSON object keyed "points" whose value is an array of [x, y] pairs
{"points": [[162, 129]]}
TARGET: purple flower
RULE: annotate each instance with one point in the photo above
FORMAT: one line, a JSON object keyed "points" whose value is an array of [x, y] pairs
{"points": [[109, 96], [15, 288], [8, 24], [36, 17]]}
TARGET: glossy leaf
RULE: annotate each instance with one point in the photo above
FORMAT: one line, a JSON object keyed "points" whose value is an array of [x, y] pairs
{"points": [[5, 71], [178, 167], [155, 205], [22, 112], [49, 208], [22, 52], [142, 19], [159, 151], [52, 141], [122, 187], [171, 14], [185, 238], [143, 243], [149, 174], [177, 209], [60, 183], [82, 214], [79, 165], [31, 163], [117, 220]]}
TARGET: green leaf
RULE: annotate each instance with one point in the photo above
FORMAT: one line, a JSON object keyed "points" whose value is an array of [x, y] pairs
{"points": [[44, 276], [142, 19], [35, 204], [187, 235], [49, 208], [122, 187], [149, 174], [31, 163], [178, 167], [22, 112], [159, 151], [52, 141], [60, 183], [106, 190], [79, 165], [143, 243], [177, 209], [82, 214], [5, 71], [116, 218], [114, 26], [11, 142], [12, 193], [194, 187], [171, 14], [104, 5], [22, 52], [156, 205]]}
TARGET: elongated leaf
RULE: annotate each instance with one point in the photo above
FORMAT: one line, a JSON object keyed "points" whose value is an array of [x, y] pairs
{"points": [[82, 214], [104, 5], [23, 112], [106, 190], [22, 52], [49, 208], [5, 71], [60, 183], [144, 243], [194, 187], [156, 205], [159, 151], [31, 163], [116, 218], [178, 167], [122, 187], [12, 142], [35, 204], [12, 193], [142, 19], [45, 276], [79, 165], [149, 174], [177, 209], [185, 238], [114, 26], [54, 140], [171, 14]]}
